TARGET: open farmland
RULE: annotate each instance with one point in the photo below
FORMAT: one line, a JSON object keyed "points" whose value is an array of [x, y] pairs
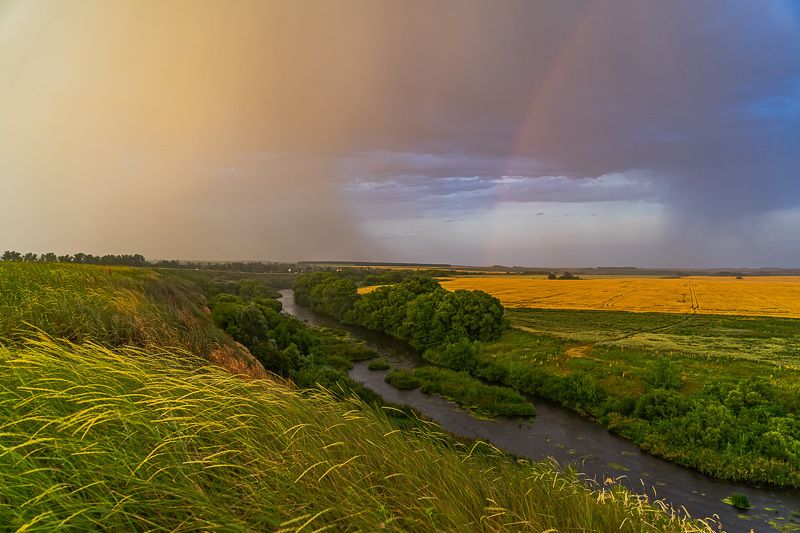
{"points": [[753, 296]]}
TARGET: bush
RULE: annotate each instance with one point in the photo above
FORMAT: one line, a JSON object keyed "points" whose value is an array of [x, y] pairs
{"points": [[740, 501], [378, 364], [459, 355], [402, 379], [580, 390], [661, 373], [469, 392], [660, 403], [492, 372]]}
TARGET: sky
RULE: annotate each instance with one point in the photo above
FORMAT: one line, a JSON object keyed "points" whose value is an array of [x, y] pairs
{"points": [[536, 133]]}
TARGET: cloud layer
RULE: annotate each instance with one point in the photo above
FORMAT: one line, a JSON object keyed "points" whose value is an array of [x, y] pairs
{"points": [[283, 130]]}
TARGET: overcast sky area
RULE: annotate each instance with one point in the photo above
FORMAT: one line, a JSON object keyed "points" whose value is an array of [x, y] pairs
{"points": [[536, 133]]}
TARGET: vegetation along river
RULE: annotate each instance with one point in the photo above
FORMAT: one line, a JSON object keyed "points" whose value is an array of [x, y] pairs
{"points": [[565, 436]]}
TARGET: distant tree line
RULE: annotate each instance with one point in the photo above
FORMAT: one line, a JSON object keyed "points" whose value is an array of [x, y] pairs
{"points": [[81, 258], [138, 260], [360, 275]]}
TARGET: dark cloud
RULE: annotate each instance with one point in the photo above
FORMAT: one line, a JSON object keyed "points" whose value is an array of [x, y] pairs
{"points": [[423, 194], [263, 129]]}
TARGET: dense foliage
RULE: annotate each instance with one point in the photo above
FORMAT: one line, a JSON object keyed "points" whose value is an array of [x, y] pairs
{"points": [[465, 390], [739, 427], [440, 323], [80, 258], [284, 345]]}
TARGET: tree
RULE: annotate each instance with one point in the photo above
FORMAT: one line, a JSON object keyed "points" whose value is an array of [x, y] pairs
{"points": [[551, 275], [11, 255], [49, 257], [29, 257]]}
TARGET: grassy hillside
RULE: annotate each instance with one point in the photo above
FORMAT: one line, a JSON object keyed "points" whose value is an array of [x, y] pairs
{"points": [[114, 306], [111, 305], [126, 426], [133, 439]]}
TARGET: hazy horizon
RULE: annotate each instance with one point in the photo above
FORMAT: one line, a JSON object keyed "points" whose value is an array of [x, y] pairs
{"points": [[614, 133]]}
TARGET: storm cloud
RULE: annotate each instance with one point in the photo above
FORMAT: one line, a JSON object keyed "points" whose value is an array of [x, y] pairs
{"points": [[404, 130]]}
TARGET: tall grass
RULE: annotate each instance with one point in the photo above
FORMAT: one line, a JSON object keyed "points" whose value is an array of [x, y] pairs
{"points": [[147, 439], [113, 306]]}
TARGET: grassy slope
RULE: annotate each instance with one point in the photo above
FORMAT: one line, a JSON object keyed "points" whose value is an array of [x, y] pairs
{"points": [[150, 437], [114, 306], [111, 305], [125, 439]]}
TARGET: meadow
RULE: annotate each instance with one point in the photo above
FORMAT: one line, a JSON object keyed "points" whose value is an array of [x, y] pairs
{"points": [[777, 296], [614, 365], [114, 414]]}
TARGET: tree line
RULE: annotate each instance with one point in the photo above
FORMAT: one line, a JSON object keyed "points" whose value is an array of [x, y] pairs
{"points": [[138, 260], [445, 326], [81, 258]]}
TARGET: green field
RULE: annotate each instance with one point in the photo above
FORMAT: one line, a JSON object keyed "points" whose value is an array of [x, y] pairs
{"points": [[113, 415], [724, 391], [703, 345]]}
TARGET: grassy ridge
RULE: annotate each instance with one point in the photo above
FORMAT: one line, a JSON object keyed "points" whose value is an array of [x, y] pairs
{"points": [[139, 439], [113, 306]]}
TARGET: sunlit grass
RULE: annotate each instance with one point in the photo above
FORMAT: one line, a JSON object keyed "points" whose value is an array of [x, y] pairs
{"points": [[113, 306], [136, 439]]}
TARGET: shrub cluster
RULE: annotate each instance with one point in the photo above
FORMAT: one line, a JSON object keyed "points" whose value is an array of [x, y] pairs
{"points": [[283, 344], [742, 430], [417, 310]]}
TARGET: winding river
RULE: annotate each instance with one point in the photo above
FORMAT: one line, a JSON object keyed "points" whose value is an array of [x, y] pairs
{"points": [[557, 432]]}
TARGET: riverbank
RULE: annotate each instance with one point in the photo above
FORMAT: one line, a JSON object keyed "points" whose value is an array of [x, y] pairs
{"points": [[567, 437]]}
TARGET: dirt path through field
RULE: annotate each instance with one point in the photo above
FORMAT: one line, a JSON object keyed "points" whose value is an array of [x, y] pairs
{"points": [[649, 330]]}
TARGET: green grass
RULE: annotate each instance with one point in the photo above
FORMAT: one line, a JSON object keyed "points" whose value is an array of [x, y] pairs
{"points": [[772, 341], [378, 364], [614, 352], [465, 390], [615, 347], [113, 306], [144, 439], [740, 501], [122, 422], [402, 379]]}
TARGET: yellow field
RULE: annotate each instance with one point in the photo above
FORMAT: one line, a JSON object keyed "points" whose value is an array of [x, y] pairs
{"points": [[758, 296]]}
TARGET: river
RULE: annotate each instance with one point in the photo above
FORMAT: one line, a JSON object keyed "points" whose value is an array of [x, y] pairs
{"points": [[559, 433]]}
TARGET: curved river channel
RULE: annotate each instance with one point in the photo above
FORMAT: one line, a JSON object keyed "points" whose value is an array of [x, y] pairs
{"points": [[565, 436]]}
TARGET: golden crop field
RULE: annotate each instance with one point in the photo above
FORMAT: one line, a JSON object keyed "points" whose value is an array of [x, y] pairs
{"points": [[757, 296]]}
